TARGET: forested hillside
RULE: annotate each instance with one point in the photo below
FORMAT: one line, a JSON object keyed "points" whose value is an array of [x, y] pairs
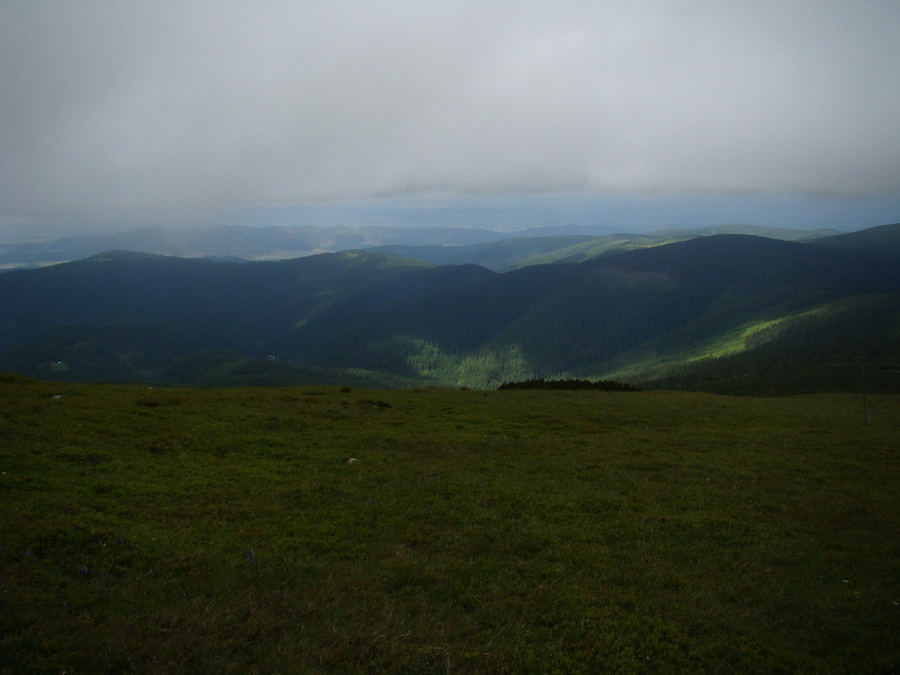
{"points": [[724, 313], [883, 240], [636, 315]]}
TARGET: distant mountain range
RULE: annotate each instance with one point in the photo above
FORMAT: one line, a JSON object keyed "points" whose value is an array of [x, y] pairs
{"points": [[250, 243], [440, 245], [723, 312]]}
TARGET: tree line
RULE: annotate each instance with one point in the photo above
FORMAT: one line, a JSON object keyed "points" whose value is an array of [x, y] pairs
{"points": [[598, 385]]}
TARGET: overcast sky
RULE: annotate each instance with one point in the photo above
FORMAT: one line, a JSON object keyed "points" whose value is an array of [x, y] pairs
{"points": [[172, 112]]}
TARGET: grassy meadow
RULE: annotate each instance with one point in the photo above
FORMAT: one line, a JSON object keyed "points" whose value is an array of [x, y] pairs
{"points": [[327, 529]]}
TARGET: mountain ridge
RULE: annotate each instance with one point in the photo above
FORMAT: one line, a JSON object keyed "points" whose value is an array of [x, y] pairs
{"points": [[636, 314], [445, 245]]}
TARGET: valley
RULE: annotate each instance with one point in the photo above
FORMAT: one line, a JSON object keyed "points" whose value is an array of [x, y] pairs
{"points": [[724, 313]]}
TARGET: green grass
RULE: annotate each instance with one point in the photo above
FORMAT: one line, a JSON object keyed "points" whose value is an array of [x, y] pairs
{"points": [[228, 531]]}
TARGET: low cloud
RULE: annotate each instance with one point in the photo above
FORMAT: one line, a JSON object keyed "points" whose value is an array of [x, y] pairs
{"points": [[174, 112]]}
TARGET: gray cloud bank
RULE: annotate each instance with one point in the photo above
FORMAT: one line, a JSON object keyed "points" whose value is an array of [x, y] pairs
{"points": [[177, 111]]}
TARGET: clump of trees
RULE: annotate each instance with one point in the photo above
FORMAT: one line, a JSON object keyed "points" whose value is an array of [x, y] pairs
{"points": [[599, 385]]}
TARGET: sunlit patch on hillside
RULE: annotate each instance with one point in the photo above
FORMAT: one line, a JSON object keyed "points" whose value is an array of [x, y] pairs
{"points": [[490, 368], [744, 338], [484, 369]]}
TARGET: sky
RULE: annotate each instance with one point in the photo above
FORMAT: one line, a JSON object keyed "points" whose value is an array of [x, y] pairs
{"points": [[119, 113]]}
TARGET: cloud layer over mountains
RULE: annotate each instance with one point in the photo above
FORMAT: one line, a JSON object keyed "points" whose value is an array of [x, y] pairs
{"points": [[175, 111]]}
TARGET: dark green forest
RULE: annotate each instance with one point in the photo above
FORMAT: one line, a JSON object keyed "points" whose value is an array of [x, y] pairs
{"points": [[721, 313], [568, 385]]}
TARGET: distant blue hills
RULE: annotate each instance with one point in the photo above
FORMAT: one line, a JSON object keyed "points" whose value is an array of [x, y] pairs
{"points": [[456, 244]]}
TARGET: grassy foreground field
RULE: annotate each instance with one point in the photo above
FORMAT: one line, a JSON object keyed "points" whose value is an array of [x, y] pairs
{"points": [[313, 529]]}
